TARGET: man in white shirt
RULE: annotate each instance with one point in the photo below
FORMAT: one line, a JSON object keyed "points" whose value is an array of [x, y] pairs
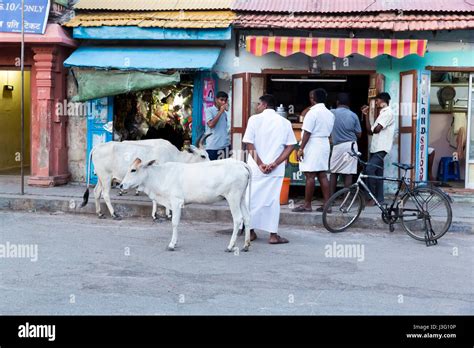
{"points": [[269, 139], [382, 133], [315, 149]]}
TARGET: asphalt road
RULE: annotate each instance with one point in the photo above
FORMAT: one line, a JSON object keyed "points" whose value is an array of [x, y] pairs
{"points": [[90, 266]]}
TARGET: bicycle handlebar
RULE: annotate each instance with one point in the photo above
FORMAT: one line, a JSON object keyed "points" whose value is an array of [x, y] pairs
{"points": [[358, 154]]}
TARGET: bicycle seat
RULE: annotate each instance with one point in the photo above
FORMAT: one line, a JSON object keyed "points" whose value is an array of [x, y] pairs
{"points": [[403, 166]]}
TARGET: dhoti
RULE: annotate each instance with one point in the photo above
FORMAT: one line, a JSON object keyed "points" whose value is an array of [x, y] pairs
{"points": [[341, 160], [316, 155], [265, 202]]}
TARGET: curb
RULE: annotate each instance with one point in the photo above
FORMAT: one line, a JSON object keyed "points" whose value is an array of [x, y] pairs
{"points": [[130, 209]]}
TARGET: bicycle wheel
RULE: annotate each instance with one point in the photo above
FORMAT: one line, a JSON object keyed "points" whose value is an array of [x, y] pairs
{"points": [[346, 206], [435, 204]]}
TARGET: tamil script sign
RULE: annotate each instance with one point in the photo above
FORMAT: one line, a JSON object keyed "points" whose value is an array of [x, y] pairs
{"points": [[36, 16]]}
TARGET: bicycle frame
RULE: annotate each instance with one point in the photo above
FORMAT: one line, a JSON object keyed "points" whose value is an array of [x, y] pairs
{"points": [[402, 182]]}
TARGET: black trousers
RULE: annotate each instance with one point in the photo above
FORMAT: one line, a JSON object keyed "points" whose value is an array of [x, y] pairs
{"points": [[375, 185], [219, 154]]}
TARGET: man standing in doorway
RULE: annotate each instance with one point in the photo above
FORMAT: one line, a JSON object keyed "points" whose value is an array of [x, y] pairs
{"points": [[218, 143], [382, 133], [315, 149], [269, 139], [346, 131]]}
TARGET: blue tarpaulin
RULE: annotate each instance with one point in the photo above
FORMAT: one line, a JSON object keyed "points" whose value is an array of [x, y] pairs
{"points": [[144, 58]]}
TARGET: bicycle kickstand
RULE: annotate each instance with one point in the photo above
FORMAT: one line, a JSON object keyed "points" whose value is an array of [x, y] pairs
{"points": [[429, 233]]}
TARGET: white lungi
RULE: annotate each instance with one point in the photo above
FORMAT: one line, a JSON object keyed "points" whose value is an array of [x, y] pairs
{"points": [[316, 155], [341, 160], [265, 202]]}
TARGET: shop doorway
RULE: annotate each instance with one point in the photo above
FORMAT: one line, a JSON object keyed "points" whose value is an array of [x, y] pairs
{"points": [[10, 119], [292, 94], [291, 89], [450, 98], [160, 113]]}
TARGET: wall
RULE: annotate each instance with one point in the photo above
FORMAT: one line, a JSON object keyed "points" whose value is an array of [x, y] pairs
{"points": [[10, 119], [76, 139]]}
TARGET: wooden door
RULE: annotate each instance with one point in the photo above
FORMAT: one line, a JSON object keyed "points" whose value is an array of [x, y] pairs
{"points": [[407, 117], [247, 88], [99, 127]]}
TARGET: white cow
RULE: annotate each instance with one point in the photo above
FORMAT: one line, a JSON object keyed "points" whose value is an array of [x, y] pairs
{"points": [[111, 161], [176, 184]]}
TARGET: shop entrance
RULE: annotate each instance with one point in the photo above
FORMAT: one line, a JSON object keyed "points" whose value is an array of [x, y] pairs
{"points": [[160, 113], [10, 118], [172, 112], [450, 98], [291, 89], [292, 93]]}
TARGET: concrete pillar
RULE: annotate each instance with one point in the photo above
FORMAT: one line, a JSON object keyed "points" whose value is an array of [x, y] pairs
{"points": [[48, 129]]}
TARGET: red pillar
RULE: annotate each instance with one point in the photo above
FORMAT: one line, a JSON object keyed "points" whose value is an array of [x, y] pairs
{"points": [[49, 165]]}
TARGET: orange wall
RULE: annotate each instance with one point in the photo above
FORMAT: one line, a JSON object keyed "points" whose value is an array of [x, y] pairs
{"points": [[10, 119]]}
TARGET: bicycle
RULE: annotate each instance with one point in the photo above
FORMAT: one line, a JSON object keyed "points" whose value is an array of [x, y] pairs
{"points": [[424, 212]]}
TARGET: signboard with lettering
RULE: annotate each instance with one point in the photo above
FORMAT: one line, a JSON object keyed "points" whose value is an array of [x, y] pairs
{"points": [[36, 16], [422, 126]]}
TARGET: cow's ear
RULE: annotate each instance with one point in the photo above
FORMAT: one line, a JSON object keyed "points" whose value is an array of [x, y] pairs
{"points": [[150, 163]]}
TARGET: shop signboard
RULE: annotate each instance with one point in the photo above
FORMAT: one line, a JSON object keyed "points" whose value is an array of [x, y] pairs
{"points": [[35, 11], [422, 126]]}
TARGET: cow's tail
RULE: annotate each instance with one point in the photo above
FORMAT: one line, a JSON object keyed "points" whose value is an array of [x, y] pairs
{"points": [[249, 183], [85, 198]]}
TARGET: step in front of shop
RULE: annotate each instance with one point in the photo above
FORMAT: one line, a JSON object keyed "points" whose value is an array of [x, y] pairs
{"points": [[200, 213]]}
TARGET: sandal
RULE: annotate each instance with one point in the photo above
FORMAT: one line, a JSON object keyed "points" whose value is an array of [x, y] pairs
{"points": [[280, 240], [301, 209]]}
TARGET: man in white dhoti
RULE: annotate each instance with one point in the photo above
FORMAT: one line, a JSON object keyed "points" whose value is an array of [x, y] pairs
{"points": [[269, 139], [314, 150], [345, 132]]}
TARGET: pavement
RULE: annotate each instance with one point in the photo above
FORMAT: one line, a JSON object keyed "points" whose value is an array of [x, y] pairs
{"points": [[68, 198], [83, 265]]}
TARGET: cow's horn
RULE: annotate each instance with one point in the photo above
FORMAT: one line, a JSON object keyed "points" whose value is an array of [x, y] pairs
{"points": [[203, 139]]}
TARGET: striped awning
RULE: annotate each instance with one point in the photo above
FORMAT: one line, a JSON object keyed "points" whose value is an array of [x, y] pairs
{"points": [[286, 46]]}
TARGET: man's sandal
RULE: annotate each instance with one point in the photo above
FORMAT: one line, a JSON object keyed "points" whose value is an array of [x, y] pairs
{"points": [[280, 240], [301, 209]]}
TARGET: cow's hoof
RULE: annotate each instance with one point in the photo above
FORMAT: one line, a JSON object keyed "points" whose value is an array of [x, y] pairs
{"points": [[101, 216], [229, 250], [117, 217], [170, 248], [246, 248], [137, 193]]}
